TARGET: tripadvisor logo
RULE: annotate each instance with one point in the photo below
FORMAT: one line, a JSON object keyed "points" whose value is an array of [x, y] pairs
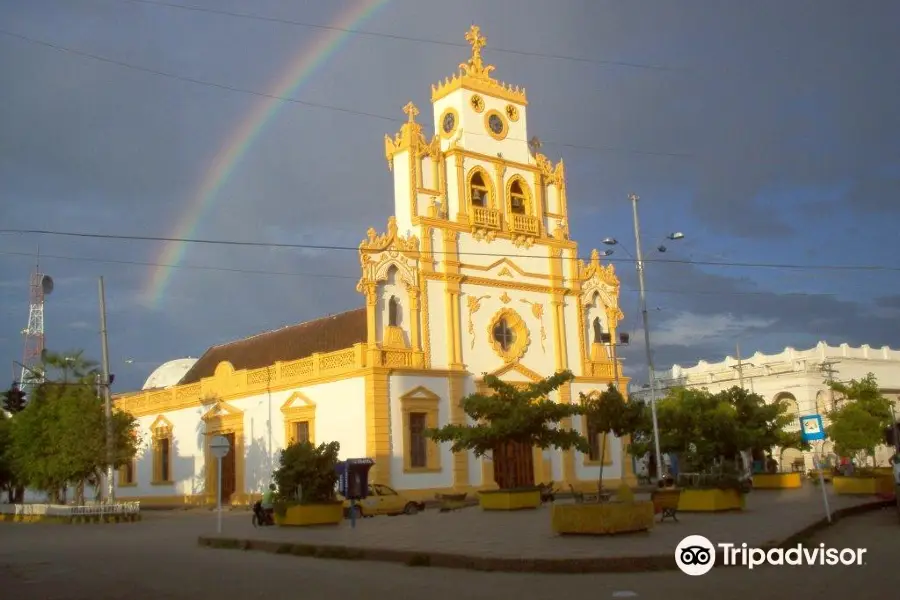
{"points": [[696, 555]]}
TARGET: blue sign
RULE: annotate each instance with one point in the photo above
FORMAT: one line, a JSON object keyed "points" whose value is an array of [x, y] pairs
{"points": [[811, 428]]}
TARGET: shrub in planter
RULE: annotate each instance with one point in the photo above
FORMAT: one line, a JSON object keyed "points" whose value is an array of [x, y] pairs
{"points": [[712, 492], [306, 479]]}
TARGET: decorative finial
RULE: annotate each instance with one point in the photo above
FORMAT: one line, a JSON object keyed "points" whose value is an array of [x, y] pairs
{"points": [[411, 111], [535, 144], [477, 41], [595, 256]]}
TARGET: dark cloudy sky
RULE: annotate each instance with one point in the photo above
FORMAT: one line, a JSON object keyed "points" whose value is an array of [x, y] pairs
{"points": [[768, 133]]}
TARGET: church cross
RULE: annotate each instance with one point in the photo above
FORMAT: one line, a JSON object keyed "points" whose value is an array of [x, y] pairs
{"points": [[477, 41], [411, 111]]}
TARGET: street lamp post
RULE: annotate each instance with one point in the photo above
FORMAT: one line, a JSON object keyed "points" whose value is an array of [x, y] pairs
{"points": [[639, 263]]}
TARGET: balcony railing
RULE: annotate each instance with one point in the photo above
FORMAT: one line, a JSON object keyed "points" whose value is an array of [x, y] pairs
{"points": [[485, 217], [525, 224]]}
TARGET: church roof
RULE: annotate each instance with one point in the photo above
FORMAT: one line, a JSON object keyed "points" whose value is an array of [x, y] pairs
{"points": [[326, 334]]}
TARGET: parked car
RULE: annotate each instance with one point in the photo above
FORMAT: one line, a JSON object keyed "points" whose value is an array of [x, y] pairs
{"points": [[383, 500]]}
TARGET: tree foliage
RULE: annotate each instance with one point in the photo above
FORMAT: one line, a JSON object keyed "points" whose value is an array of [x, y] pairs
{"points": [[609, 412], [7, 478], [858, 423], [514, 414], [311, 470], [59, 438], [706, 428]]}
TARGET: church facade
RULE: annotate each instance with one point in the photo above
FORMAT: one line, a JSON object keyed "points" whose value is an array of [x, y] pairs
{"points": [[475, 273]]}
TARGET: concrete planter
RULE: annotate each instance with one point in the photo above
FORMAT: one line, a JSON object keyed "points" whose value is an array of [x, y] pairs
{"points": [[864, 486], [304, 515], [520, 499], [714, 500], [602, 519], [776, 481]]}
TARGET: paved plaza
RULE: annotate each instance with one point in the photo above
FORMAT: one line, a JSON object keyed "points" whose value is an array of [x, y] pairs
{"points": [[159, 559], [770, 517]]}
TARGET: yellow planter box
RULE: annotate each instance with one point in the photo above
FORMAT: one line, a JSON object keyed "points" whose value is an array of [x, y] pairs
{"points": [[509, 499], [602, 519], [826, 475], [692, 500], [301, 515], [776, 481], [884, 471], [864, 486]]}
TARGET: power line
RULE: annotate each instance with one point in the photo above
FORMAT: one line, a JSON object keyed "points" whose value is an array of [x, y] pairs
{"points": [[356, 278], [111, 236], [331, 107], [406, 38]]}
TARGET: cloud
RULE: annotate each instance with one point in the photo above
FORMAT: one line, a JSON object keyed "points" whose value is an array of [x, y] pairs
{"points": [[82, 325], [690, 329]]}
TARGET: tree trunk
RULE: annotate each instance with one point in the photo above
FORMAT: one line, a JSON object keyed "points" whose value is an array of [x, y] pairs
{"points": [[602, 460], [513, 465], [79, 493]]}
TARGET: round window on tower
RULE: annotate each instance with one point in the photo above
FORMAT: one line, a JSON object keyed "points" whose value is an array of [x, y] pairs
{"points": [[449, 122], [495, 123]]}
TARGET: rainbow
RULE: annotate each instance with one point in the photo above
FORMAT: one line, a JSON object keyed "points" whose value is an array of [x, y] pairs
{"points": [[299, 71]]}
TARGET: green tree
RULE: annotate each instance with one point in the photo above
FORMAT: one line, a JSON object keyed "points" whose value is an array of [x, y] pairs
{"points": [[859, 420], [760, 424], [510, 422], [309, 469], [60, 438], [609, 412], [68, 367]]}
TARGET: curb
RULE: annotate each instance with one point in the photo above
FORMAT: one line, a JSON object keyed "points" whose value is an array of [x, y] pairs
{"points": [[77, 520], [614, 564]]}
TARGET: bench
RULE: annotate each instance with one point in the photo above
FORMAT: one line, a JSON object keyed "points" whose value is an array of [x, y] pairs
{"points": [[665, 501]]}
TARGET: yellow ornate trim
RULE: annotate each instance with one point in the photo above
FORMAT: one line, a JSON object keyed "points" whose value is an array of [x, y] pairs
{"points": [[455, 392], [463, 226], [487, 125], [477, 103], [512, 113], [476, 76], [297, 409], [222, 418], [228, 384], [443, 132], [161, 431], [495, 283], [378, 424], [520, 331], [507, 368], [409, 137], [474, 303], [393, 337], [538, 311], [505, 299], [505, 271], [526, 194], [421, 400]]}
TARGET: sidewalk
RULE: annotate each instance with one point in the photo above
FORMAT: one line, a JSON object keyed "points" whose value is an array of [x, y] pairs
{"points": [[770, 518]]}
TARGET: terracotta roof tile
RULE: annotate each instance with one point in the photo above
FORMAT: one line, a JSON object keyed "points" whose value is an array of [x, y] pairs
{"points": [[293, 342]]}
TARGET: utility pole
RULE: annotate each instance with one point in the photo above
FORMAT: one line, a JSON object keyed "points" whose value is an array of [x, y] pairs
{"points": [[660, 463], [740, 365], [104, 384]]}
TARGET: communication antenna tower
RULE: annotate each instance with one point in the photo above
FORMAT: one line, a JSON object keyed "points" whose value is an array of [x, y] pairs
{"points": [[41, 286]]}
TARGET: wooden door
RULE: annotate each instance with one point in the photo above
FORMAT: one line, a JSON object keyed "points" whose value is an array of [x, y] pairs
{"points": [[228, 474]]}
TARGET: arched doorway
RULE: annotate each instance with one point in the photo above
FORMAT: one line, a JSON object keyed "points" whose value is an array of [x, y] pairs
{"points": [[793, 407]]}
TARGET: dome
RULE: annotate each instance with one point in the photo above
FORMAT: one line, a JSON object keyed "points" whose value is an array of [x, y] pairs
{"points": [[169, 373]]}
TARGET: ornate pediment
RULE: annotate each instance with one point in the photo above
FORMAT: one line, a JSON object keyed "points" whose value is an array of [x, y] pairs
{"points": [[220, 410], [378, 253]]}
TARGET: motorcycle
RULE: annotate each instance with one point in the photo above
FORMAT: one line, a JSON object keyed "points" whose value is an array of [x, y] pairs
{"points": [[262, 517]]}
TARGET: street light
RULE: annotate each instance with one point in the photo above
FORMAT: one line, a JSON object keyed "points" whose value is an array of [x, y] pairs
{"points": [[639, 264]]}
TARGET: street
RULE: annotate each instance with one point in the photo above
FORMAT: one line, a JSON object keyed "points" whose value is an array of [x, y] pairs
{"points": [[158, 558]]}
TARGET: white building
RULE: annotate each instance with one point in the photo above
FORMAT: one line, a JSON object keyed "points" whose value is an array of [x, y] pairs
{"points": [[798, 376], [475, 274]]}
